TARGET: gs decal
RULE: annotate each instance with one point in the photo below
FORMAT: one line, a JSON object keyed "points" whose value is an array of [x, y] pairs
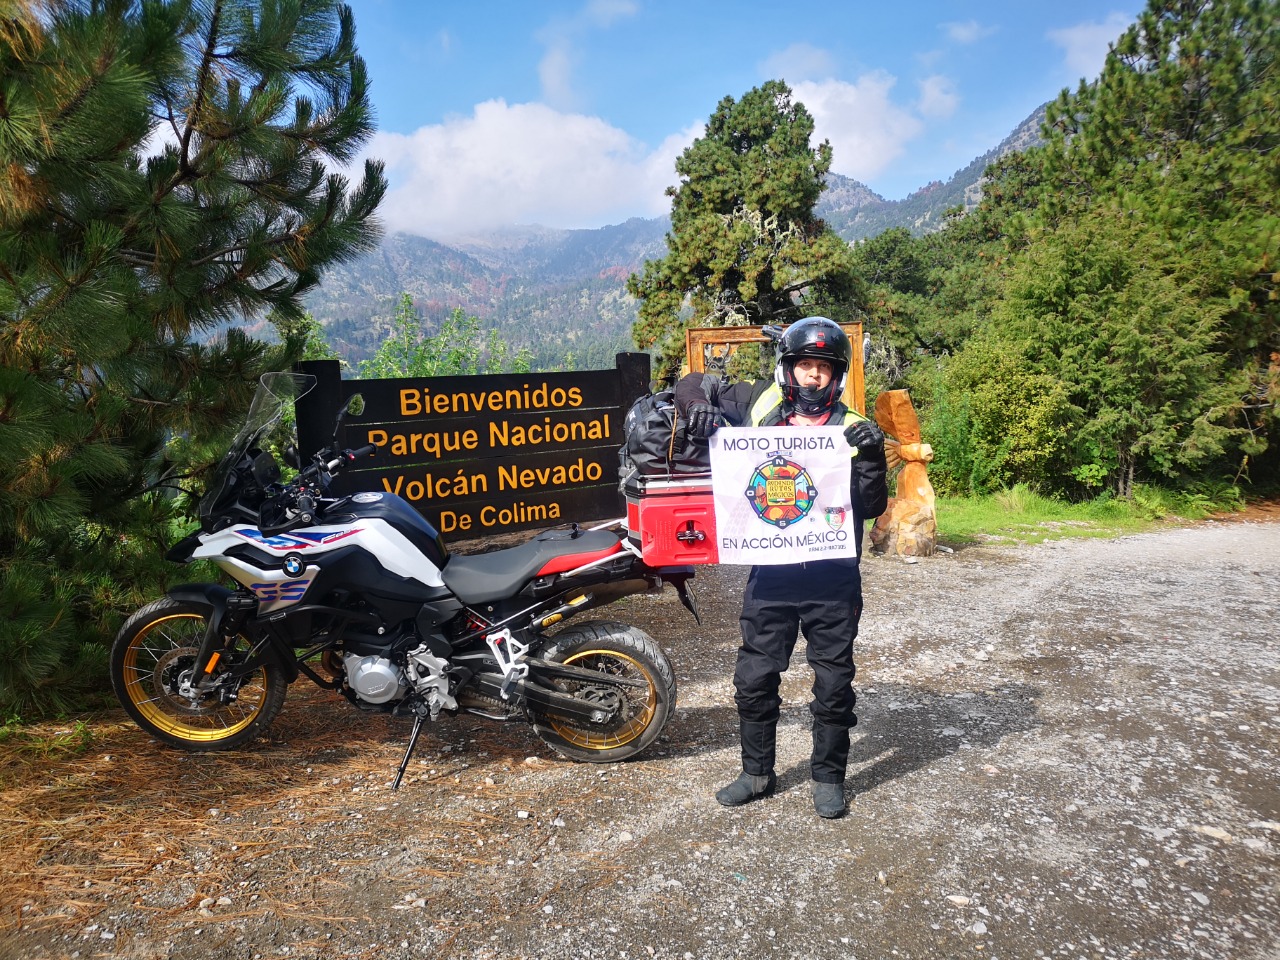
{"points": [[273, 592]]}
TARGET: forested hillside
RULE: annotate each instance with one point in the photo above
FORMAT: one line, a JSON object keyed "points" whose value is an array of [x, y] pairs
{"points": [[1107, 319], [559, 292], [855, 213]]}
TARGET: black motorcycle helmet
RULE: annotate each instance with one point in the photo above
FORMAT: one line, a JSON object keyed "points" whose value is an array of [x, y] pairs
{"points": [[821, 339]]}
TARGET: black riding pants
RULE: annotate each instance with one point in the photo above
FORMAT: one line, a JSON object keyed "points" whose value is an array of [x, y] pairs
{"points": [[824, 598]]}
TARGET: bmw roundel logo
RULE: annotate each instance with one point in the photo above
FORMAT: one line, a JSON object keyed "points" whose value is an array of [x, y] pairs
{"points": [[293, 565]]}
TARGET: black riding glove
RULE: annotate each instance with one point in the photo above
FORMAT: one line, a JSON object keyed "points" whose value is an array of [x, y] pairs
{"points": [[867, 437], [702, 419]]}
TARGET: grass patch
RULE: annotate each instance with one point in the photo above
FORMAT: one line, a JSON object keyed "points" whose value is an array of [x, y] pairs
{"points": [[1021, 515], [20, 741]]}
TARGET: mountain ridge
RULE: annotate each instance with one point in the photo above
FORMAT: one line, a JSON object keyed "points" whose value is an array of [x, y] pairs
{"points": [[562, 293]]}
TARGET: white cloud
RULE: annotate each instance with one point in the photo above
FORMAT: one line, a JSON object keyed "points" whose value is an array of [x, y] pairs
{"points": [[938, 97], [533, 163], [968, 31], [867, 130], [562, 38], [798, 62], [1085, 44], [522, 163], [605, 13], [555, 74]]}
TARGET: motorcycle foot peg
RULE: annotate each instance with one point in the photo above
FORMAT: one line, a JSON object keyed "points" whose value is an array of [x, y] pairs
{"points": [[517, 673]]}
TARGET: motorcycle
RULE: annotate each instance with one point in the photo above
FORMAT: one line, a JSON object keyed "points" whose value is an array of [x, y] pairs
{"points": [[360, 594]]}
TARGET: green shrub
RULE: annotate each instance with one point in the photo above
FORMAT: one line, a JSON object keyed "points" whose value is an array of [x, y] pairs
{"points": [[993, 422]]}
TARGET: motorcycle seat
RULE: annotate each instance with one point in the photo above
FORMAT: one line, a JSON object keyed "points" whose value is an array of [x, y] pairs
{"points": [[486, 577]]}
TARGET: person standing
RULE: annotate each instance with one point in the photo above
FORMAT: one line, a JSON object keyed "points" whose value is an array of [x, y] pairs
{"points": [[822, 597]]}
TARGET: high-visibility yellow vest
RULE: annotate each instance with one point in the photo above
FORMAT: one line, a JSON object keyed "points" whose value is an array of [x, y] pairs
{"points": [[771, 400]]}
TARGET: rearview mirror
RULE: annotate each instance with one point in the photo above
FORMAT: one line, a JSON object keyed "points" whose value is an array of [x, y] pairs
{"points": [[353, 408]]}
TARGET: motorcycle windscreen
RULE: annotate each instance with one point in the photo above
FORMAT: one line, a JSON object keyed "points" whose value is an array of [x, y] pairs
{"points": [[276, 393]]}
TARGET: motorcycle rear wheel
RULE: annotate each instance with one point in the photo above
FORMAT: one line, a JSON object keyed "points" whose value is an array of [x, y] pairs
{"points": [[613, 649], [149, 654]]}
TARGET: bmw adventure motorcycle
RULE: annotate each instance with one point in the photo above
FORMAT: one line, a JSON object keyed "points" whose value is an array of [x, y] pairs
{"points": [[360, 594]]}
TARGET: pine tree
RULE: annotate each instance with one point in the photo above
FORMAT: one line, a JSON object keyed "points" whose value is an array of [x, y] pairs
{"points": [[458, 347], [162, 179], [744, 246], [1181, 132], [1132, 346]]}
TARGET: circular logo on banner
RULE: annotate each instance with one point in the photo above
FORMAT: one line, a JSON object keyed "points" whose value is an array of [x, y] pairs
{"points": [[781, 491]]}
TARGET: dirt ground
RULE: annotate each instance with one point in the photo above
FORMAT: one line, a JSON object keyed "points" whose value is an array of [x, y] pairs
{"points": [[1068, 750]]}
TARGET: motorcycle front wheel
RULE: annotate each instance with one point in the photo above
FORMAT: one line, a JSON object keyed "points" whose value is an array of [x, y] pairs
{"points": [[614, 650], [150, 657]]}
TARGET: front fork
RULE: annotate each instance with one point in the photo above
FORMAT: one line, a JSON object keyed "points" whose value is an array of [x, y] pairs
{"points": [[221, 608]]}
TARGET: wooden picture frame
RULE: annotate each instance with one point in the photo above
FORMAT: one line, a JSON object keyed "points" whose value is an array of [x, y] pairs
{"points": [[699, 342]]}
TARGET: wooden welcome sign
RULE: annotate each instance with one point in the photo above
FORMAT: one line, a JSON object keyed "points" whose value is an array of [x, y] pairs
{"points": [[479, 455]]}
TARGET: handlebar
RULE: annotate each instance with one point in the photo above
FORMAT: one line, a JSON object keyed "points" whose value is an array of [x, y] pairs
{"points": [[306, 507], [297, 500], [347, 457]]}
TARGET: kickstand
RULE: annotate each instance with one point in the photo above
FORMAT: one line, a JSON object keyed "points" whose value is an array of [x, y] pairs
{"points": [[413, 742]]}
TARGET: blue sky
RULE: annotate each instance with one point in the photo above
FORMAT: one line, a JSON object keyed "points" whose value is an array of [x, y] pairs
{"points": [[571, 114]]}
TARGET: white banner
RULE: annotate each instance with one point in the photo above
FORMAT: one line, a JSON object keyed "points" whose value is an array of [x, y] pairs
{"points": [[782, 494]]}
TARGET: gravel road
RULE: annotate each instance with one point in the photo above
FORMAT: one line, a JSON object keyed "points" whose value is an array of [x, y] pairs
{"points": [[1066, 750]]}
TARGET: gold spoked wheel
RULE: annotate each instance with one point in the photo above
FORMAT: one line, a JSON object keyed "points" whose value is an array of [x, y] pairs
{"points": [[153, 655], [636, 705], [640, 709]]}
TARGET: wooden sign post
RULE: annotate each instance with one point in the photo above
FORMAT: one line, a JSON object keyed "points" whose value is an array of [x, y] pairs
{"points": [[703, 344]]}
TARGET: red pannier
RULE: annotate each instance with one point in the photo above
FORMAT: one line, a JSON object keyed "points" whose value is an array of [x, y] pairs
{"points": [[666, 479], [672, 521]]}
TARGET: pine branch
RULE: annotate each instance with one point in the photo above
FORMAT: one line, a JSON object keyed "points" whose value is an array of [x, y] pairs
{"points": [[203, 81]]}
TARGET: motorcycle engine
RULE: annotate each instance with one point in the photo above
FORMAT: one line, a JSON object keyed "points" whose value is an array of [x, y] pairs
{"points": [[374, 679]]}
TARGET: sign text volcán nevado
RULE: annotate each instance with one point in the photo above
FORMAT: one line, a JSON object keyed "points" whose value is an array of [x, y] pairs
{"points": [[482, 454]]}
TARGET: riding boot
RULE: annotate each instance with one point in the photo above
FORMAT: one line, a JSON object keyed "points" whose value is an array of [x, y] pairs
{"points": [[746, 788], [827, 765], [759, 741], [757, 780], [828, 800]]}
